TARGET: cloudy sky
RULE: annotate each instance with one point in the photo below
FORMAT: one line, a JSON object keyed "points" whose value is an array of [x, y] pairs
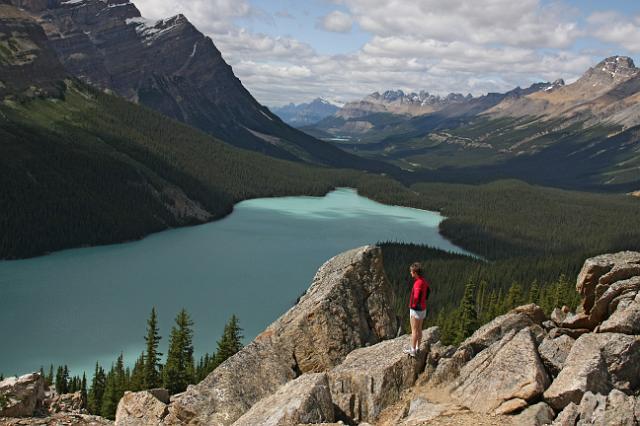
{"points": [[295, 50]]}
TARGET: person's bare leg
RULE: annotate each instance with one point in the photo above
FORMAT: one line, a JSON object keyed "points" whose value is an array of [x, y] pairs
{"points": [[418, 333], [414, 332]]}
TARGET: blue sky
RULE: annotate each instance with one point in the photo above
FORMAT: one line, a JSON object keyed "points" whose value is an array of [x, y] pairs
{"points": [[293, 51]]}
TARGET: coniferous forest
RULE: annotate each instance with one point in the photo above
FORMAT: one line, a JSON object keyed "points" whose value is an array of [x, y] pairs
{"points": [[101, 393]]}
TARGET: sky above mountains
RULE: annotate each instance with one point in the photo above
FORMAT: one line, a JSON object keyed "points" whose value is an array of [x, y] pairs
{"points": [[293, 51]]}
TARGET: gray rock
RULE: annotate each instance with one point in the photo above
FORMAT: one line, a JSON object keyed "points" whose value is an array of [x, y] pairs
{"points": [[66, 403], [422, 412], [598, 362], [348, 305], [372, 378], [536, 415], [21, 396], [559, 314], [602, 267], [554, 352], [626, 314], [515, 320], [142, 408], [304, 400], [502, 378], [568, 416], [591, 409]]}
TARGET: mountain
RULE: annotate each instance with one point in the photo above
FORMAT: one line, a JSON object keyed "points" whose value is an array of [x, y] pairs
{"points": [[79, 166], [367, 117], [582, 135], [306, 113], [170, 66], [397, 102]]}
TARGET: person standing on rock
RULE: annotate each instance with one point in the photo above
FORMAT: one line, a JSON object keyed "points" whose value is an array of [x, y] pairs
{"points": [[417, 307]]}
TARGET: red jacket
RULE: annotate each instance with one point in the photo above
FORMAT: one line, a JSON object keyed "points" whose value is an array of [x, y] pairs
{"points": [[419, 294]]}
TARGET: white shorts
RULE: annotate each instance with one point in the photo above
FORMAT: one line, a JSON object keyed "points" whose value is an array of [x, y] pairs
{"points": [[417, 314]]}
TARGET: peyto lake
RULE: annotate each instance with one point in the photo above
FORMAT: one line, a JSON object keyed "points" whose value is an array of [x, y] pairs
{"points": [[85, 305]]}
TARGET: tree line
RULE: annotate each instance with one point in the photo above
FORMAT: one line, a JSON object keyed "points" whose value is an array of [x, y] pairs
{"points": [[177, 372]]}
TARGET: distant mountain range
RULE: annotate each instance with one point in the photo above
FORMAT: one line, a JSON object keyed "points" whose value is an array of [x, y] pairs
{"points": [[582, 135], [171, 67], [306, 113]]}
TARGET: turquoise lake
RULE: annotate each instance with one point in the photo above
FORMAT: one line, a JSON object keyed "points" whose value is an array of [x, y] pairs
{"points": [[80, 306]]}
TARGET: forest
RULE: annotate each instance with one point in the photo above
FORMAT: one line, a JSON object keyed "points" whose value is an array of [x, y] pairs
{"points": [[100, 395]]}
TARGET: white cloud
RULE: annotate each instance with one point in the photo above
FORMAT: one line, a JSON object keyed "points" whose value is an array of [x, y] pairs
{"points": [[440, 46], [337, 22], [516, 23], [611, 27]]}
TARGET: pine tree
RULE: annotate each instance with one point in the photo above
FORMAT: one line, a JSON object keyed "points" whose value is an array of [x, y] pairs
{"points": [[137, 375], [179, 371], [96, 391], [231, 341], [120, 377], [152, 378], [514, 297], [110, 398], [468, 315], [83, 390], [534, 293], [62, 380], [49, 378], [1, 377]]}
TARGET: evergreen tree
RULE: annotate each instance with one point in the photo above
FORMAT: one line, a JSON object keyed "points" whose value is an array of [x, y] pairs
{"points": [[49, 378], [110, 398], [179, 371], [96, 391], [534, 293], [120, 377], [468, 315], [83, 390], [1, 377], [514, 297], [62, 380], [230, 342], [137, 375], [151, 376]]}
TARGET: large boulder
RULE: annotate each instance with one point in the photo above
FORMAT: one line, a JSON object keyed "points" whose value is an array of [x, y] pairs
{"points": [[536, 415], [142, 408], [371, 378], [21, 396], [568, 416], [554, 352], [65, 403], [348, 305], [625, 317], [304, 400], [605, 270], [598, 362], [616, 408], [504, 377], [515, 320]]}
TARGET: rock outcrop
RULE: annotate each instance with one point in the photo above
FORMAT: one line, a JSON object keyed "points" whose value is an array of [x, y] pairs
{"points": [[490, 333], [65, 403], [504, 377], [142, 408], [21, 396], [598, 362], [374, 377], [348, 306], [304, 400]]}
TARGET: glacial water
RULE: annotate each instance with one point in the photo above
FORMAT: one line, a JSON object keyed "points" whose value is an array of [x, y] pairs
{"points": [[85, 305]]}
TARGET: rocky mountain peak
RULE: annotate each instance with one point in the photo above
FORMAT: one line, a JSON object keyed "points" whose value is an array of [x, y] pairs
{"points": [[614, 69]]}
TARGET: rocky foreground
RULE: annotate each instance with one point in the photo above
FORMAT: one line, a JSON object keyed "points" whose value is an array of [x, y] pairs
{"points": [[335, 356]]}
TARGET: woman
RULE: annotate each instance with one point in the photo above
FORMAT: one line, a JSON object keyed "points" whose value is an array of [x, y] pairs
{"points": [[417, 307]]}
